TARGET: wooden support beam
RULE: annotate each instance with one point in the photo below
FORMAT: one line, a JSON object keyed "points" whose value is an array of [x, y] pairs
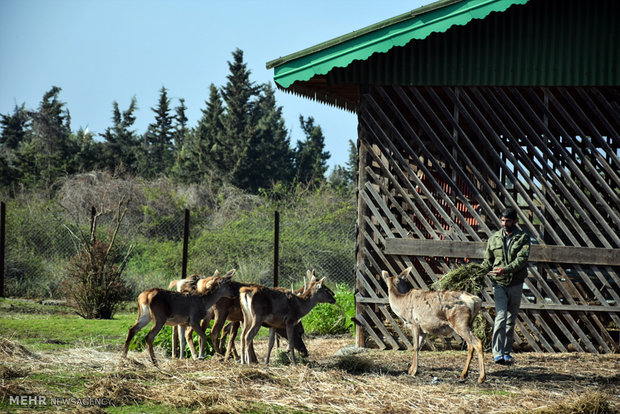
{"points": [[475, 250]]}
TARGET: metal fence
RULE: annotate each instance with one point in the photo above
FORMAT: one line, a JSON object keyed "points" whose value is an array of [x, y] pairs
{"points": [[39, 245]]}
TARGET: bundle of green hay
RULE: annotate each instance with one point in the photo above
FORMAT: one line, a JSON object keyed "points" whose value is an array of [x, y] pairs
{"points": [[469, 278]]}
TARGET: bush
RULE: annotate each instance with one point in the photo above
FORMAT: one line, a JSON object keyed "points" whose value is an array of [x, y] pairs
{"points": [[94, 280], [327, 319]]}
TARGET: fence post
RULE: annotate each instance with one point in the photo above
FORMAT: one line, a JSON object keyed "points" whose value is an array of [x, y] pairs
{"points": [[185, 243], [2, 238], [276, 248]]}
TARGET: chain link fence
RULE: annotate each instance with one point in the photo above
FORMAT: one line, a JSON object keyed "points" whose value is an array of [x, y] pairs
{"points": [[40, 243]]}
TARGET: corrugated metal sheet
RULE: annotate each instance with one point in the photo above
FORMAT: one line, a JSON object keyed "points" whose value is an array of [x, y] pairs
{"points": [[545, 43], [541, 43], [381, 37]]}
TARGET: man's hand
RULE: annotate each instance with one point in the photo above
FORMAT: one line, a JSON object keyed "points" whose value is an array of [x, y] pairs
{"points": [[498, 271]]}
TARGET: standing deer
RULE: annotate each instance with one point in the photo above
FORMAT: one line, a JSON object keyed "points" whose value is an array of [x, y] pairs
{"points": [[230, 309], [187, 285], [277, 309], [173, 308], [437, 313]]}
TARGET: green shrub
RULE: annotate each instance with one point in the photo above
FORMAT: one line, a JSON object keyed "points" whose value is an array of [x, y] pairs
{"points": [[328, 319]]}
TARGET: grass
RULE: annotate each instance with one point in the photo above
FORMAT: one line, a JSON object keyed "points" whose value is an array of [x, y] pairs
{"points": [[368, 382], [56, 327]]}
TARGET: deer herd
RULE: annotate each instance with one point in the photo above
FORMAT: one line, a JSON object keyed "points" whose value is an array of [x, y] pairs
{"points": [[197, 301]]}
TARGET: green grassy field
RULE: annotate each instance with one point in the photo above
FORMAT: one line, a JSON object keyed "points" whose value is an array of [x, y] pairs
{"points": [[50, 327]]}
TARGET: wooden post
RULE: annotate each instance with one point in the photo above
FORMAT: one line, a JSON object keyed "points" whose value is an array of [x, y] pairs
{"points": [[362, 159], [93, 214], [185, 243], [276, 248], [2, 238]]}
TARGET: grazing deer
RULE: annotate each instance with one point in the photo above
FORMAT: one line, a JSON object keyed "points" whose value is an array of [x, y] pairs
{"points": [[230, 309], [277, 309], [173, 308], [188, 286], [437, 313]]}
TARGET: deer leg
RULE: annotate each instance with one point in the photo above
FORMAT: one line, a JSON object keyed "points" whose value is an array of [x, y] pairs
{"points": [[251, 356], [150, 337], [202, 336], [215, 332], [233, 328], [272, 339], [478, 346], [190, 341], [175, 343], [182, 342], [142, 321], [290, 333], [416, 340], [470, 354]]}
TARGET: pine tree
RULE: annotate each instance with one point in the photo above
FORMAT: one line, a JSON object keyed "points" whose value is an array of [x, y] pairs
{"points": [[310, 157], [52, 149], [156, 156], [121, 146], [269, 158], [239, 118], [200, 158], [15, 132]]}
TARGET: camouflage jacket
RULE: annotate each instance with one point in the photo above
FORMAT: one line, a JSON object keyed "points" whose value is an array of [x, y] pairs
{"points": [[513, 260]]}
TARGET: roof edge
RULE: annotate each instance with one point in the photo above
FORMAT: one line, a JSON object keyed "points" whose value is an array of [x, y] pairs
{"points": [[381, 37], [360, 32]]}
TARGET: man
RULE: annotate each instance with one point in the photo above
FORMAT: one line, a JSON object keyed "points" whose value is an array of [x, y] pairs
{"points": [[507, 254]]}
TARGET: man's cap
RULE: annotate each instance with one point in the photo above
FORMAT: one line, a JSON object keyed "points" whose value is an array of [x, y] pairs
{"points": [[510, 213]]}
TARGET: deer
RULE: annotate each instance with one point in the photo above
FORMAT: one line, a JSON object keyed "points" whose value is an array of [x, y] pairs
{"points": [[188, 286], [277, 309], [436, 313], [167, 307], [230, 309]]}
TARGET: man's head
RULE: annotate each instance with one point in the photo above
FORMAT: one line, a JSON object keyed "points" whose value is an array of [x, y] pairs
{"points": [[509, 219]]}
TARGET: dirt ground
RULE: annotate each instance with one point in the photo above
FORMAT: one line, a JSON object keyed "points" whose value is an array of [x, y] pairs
{"points": [[367, 381]]}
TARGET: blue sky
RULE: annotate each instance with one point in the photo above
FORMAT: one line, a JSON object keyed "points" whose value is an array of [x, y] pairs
{"points": [[103, 51]]}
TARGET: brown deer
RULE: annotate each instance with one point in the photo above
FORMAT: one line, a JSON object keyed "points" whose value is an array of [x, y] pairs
{"points": [[277, 309], [166, 307], [436, 313], [230, 309], [188, 286]]}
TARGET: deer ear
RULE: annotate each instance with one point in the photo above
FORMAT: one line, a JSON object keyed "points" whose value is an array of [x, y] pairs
{"points": [[405, 272], [385, 275], [231, 272], [216, 273]]}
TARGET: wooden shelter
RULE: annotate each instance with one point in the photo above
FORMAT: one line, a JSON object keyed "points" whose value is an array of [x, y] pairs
{"points": [[466, 107]]}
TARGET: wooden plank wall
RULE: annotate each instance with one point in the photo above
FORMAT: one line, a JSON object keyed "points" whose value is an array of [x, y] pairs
{"points": [[438, 164]]}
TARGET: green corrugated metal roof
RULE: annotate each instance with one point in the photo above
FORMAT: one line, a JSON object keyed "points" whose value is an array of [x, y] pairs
{"points": [[381, 37]]}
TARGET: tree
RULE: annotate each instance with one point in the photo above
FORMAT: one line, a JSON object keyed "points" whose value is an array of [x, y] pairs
{"points": [[269, 158], [239, 118], [201, 154], [122, 143], [15, 132], [310, 157], [157, 156], [52, 149]]}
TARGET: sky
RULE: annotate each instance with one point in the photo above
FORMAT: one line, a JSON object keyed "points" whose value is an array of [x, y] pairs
{"points": [[103, 51]]}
